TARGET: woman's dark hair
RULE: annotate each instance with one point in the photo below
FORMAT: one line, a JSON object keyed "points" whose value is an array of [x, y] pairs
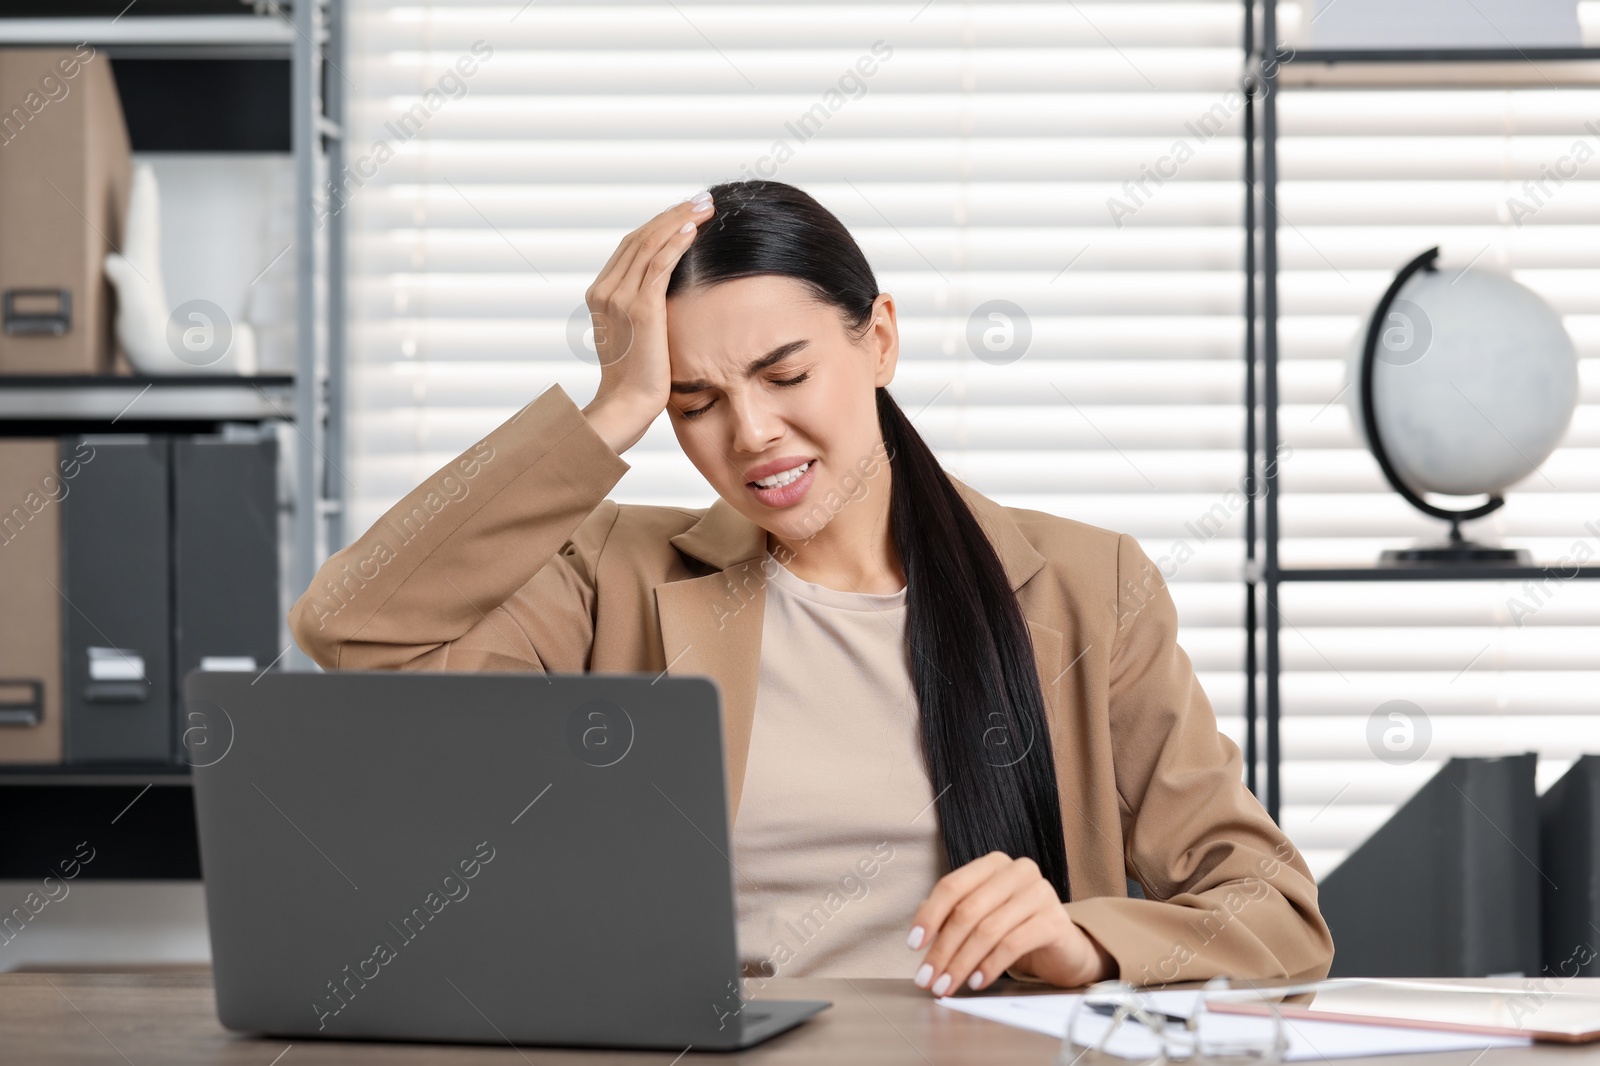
{"points": [[985, 736]]}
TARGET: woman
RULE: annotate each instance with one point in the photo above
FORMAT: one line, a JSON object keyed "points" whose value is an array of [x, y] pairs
{"points": [[954, 730]]}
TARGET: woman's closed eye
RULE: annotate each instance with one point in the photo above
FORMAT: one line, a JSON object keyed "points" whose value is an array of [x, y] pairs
{"points": [[783, 382]]}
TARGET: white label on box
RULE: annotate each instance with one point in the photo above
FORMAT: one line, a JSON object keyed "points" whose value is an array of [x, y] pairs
{"points": [[115, 664], [239, 663]]}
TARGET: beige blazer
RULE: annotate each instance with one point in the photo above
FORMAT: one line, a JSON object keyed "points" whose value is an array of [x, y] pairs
{"points": [[512, 558]]}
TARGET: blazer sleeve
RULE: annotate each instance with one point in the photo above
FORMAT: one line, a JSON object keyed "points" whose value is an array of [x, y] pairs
{"points": [[489, 564], [1226, 893]]}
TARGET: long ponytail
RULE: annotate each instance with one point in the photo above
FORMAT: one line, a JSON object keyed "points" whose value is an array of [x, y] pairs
{"points": [[985, 735]]}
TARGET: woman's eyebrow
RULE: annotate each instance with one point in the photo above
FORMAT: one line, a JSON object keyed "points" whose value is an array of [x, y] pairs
{"points": [[777, 355]]}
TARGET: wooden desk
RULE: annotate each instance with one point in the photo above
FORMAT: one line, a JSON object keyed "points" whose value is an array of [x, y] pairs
{"points": [[169, 1019]]}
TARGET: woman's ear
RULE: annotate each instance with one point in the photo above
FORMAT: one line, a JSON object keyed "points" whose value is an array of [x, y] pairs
{"points": [[884, 336]]}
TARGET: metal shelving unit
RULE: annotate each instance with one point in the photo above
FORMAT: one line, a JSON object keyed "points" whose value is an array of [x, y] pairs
{"points": [[310, 36], [1441, 55], [137, 399], [1265, 574]]}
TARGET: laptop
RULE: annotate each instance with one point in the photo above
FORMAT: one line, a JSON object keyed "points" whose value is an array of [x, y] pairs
{"points": [[504, 858]]}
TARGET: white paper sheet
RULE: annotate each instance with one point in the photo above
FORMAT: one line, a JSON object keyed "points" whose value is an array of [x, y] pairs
{"points": [[1048, 1014]]}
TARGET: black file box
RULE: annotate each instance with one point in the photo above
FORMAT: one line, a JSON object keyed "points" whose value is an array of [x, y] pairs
{"points": [[1569, 849], [116, 587], [1447, 887], [224, 557]]}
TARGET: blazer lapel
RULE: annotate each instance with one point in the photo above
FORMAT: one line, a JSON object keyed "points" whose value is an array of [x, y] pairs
{"points": [[711, 625], [1017, 555]]}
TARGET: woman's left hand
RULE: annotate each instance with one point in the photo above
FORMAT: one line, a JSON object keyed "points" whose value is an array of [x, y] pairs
{"points": [[993, 913]]}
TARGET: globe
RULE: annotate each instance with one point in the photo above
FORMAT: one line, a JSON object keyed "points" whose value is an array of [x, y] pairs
{"points": [[1475, 381]]}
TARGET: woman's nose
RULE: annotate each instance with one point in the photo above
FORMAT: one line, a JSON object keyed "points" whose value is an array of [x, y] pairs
{"points": [[754, 426]]}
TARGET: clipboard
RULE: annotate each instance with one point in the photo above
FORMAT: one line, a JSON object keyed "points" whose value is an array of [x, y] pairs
{"points": [[1544, 1010]]}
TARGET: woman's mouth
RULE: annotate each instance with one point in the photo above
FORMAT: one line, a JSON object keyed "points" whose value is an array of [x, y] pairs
{"points": [[786, 487]]}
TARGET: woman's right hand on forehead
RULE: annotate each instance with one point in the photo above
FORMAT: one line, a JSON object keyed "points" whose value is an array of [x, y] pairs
{"points": [[628, 308]]}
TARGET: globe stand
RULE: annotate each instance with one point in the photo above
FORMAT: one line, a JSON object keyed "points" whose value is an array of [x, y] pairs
{"points": [[1457, 550]]}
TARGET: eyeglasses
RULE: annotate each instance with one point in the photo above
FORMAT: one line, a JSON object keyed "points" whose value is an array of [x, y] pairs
{"points": [[1116, 1023]]}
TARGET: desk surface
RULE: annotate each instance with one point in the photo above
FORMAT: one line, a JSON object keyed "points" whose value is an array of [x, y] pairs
{"points": [[169, 1019]]}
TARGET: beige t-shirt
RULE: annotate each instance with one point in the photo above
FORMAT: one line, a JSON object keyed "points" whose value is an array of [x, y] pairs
{"points": [[836, 838]]}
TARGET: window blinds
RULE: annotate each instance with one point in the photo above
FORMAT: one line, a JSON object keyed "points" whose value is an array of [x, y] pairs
{"points": [[1080, 160]]}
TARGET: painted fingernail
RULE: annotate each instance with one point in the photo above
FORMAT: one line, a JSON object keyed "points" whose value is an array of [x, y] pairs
{"points": [[924, 975], [914, 941], [976, 979], [686, 227], [701, 197], [942, 985], [702, 207]]}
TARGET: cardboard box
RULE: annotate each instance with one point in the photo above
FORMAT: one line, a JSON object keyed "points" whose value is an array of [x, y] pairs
{"points": [[65, 172], [32, 485]]}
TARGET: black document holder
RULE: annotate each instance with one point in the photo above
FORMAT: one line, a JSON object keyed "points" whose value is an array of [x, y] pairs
{"points": [[1569, 853], [224, 557], [1447, 887], [117, 621]]}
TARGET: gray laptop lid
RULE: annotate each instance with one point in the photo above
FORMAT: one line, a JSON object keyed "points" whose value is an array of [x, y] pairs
{"points": [[478, 857]]}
